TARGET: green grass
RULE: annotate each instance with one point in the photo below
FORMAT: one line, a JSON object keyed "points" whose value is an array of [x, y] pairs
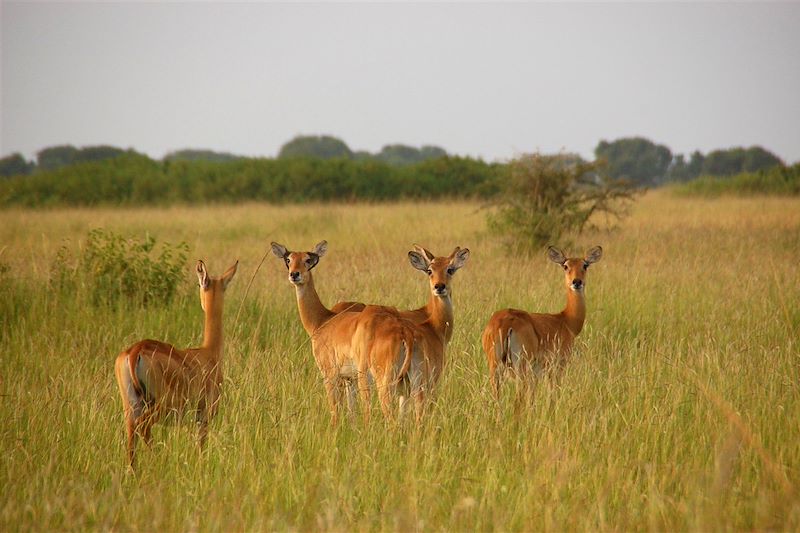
{"points": [[679, 410]]}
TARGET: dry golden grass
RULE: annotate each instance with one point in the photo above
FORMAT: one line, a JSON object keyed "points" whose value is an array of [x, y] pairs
{"points": [[679, 411]]}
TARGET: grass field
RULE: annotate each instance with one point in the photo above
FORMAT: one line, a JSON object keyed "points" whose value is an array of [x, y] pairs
{"points": [[679, 411]]}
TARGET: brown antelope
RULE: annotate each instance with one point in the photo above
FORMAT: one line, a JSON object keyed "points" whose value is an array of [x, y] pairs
{"points": [[156, 379], [373, 344], [434, 321], [534, 343], [436, 318], [439, 308]]}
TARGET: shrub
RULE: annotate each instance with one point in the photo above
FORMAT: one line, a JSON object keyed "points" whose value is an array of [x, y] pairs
{"points": [[778, 181], [545, 199], [111, 268]]}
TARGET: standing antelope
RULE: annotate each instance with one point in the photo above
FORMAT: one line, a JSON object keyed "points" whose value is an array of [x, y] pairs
{"points": [[350, 346], [156, 379], [535, 342], [434, 321], [439, 309]]}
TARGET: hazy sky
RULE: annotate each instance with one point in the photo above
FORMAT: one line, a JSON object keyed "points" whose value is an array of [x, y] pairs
{"points": [[488, 80]]}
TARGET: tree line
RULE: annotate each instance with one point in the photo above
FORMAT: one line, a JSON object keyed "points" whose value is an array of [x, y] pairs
{"points": [[324, 168]]}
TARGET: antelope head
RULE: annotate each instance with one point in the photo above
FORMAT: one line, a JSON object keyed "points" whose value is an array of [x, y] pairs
{"points": [[575, 267], [212, 289], [440, 270], [299, 264]]}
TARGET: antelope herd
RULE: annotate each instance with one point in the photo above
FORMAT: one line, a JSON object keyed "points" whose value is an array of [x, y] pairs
{"points": [[358, 347]]}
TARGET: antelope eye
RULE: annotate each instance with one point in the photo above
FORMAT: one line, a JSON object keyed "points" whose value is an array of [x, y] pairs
{"points": [[450, 271], [586, 266], [429, 271], [566, 267]]}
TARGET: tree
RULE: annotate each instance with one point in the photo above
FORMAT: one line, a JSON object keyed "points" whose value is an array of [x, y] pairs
{"points": [[97, 153], [737, 160], [544, 199], [15, 165], [200, 155], [55, 157], [316, 146], [636, 159], [401, 154], [757, 158]]}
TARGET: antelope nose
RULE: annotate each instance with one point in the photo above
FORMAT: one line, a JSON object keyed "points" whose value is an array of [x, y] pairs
{"points": [[577, 283], [439, 287], [294, 275]]}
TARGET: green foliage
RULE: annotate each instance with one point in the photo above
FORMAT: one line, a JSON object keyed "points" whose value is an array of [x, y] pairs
{"points": [[136, 179], [200, 155], [401, 154], [682, 170], [129, 178], [738, 160], [548, 198], [15, 165], [55, 157], [776, 181], [319, 146], [111, 268], [722, 163], [635, 159]]}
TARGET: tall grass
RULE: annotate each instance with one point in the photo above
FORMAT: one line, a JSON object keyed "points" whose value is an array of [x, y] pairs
{"points": [[679, 410]]}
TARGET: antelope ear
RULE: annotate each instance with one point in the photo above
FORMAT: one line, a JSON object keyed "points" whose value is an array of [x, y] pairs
{"points": [[555, 255], [228, 275], [202, 275], [418, 260], [594, 255], [460, 256], [279, 250], [424, 251], [320, 249], [312, 260]]}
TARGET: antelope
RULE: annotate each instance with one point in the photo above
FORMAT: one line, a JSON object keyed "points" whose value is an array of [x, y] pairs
{"points": [[156, 379], [439, 308], [528, 343], [434, 321], [348, 346]]}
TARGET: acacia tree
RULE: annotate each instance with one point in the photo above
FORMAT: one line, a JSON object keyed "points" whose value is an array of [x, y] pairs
{"points": [[546, 199]]}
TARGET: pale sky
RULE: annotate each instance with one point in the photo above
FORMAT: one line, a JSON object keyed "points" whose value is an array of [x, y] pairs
{"points": [[485, 80]]}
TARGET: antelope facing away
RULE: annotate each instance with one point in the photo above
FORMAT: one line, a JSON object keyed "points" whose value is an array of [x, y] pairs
{"points": [[373, 344], [532, 343], [156, 379]]}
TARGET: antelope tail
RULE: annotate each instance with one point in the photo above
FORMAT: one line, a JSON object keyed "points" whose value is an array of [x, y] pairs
{"points": [[502, 348], [408, 343], [133, 360]]}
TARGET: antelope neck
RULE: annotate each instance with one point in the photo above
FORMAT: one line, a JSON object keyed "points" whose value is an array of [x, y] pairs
{"points": [[440, 315], [575, 312], [312, 313], [212, 327]]}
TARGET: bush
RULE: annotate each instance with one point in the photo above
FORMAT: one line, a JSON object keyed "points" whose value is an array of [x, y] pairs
{"points": [[111, 268], [546, 199], [778, 181]]}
